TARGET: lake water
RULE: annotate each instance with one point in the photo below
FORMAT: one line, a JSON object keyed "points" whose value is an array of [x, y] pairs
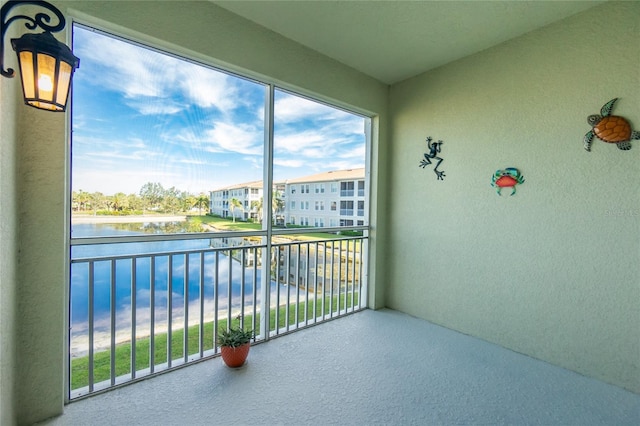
{"points": [[228, 270]]}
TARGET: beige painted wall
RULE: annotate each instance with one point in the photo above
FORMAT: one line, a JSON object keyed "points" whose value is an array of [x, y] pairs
{"points": [[553, 271], [36, 284], [8, 248]]}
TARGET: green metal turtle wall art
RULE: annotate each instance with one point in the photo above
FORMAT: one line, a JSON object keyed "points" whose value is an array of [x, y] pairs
{"points": [[506, 178], [610, 128], [434, 150]]}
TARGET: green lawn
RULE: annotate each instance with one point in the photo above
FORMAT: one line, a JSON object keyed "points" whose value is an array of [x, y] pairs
{"points": [[102, 360], [229, 225]]}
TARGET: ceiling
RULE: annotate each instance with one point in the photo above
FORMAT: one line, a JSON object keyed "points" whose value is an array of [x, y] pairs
{"points": [[395, 40]]}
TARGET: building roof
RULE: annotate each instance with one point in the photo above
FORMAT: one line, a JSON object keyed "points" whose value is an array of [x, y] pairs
{"points": [[254, 184], [332, 176]]}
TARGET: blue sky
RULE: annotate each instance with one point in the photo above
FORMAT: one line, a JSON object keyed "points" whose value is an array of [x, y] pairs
{"points": [[141, 116]]}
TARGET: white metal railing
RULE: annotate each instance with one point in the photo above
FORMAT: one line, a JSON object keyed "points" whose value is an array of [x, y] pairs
{"points": [[136, 311]]}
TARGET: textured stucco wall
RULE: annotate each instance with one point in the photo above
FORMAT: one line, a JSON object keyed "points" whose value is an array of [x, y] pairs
{"points": [[41, 272], [199, 30], [8, 247], [553, 271]]}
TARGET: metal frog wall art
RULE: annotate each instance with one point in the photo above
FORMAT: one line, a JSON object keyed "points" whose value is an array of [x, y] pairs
{"points": [[505, 178], [434, 150], [610, 128]]}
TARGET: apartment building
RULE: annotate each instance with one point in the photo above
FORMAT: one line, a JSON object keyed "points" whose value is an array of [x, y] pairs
{"points": [[329, 199], [246, 193]]}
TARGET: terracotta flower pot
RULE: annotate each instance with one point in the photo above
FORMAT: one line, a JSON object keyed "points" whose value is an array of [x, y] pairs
{"points": [[235, 357]]}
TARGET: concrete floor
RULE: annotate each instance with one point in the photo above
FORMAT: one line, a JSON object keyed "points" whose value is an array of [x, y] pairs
{"points": [[370, 368]]}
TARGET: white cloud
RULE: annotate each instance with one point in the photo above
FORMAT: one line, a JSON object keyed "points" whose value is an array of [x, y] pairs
{"points": [[145, 76], [207, 88], [299, 142], [236, 137], [109, 151], [310, 130], [155, 108], [290, 108], [358, 152], [126, 67], [289, 162], [254, 161]]}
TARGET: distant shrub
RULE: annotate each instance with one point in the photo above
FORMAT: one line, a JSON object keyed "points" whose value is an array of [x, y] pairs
{"points": [[350, 233]]}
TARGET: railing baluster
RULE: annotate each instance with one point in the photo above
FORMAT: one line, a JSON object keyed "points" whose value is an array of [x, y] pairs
{"points": [[169, 310], [185, 334], [229, 288], [215, 302], [152, 309], [324, 277], [242, 284], [113, 322], [361, 272], [288, 273], [298, 248], [346, 278], [340, 281], [277, 304], [133, 318], [306, 284], [353, 275], [356, 275], [255, 294], [315, 281], [333, 255], [91, 322], [201, 325]]}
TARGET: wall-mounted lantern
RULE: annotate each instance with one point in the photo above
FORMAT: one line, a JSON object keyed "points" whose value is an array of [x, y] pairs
{"points": [[46, 65]]}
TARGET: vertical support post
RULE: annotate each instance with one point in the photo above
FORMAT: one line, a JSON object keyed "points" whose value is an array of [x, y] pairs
{"points": [[267, 213]]}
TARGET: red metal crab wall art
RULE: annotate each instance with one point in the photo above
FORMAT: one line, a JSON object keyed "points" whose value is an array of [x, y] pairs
{"points": [[506, 178]]}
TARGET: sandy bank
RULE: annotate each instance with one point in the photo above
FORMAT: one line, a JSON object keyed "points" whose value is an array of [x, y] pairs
{"points": [[126, 219]]}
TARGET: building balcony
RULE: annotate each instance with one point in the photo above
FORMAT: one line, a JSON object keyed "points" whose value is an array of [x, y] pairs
{"points": [[371, 367]]}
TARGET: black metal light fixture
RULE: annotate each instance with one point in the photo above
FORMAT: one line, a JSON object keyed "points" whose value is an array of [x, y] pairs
{"points": [[46, 65]]}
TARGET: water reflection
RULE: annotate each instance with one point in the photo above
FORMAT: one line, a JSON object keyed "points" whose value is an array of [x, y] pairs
{"points": [[227, 279]]}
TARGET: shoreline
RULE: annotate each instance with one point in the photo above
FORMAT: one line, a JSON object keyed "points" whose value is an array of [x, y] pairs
{"points": [[79, 343], [127, 219]]}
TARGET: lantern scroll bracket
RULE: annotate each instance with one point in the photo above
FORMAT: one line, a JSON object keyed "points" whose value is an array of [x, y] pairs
{"points": [[41, 20]]}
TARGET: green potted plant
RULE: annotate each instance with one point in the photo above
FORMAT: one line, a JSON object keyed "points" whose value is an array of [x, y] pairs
{"points": [[234, 343]]}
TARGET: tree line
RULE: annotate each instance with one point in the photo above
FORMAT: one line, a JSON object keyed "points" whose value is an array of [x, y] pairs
{"points": [[152, 197]]}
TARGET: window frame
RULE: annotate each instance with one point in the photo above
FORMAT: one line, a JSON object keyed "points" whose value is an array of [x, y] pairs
{"points": [[270, 85]]}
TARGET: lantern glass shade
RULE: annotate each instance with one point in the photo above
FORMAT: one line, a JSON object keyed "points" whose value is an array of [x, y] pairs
{"points": [[46, 67]]}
